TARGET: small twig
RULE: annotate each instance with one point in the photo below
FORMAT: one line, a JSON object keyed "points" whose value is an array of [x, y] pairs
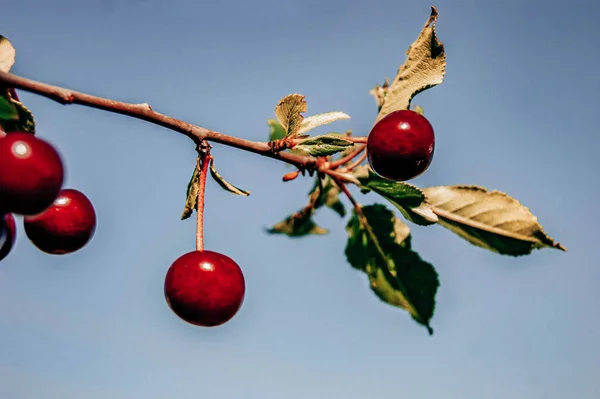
{"points": [[346, 178], [146, 113], [204, 159], [348, 194], [357, 140], [347, 158], [357, 162]]}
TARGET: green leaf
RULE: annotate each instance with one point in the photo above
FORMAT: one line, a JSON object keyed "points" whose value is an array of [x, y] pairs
{"points": [[289, 113], [409, 200], [7, 54], [321, 119], [224, 183], [8, 111], [379, 245], [191, 201], [489, 219], [328, 193], [325, 145], [276, 131], [298, 224], [23, 121], [424, 68]]}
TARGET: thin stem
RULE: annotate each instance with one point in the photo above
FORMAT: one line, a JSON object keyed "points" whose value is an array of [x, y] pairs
{"points": [[348, 194], [146, 113], [357, 140], [342, 177], [347, 158], [203, 163], [357, 162]]}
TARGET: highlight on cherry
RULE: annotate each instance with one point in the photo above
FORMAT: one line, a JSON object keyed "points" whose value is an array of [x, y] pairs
{"points": [[206, 288]]}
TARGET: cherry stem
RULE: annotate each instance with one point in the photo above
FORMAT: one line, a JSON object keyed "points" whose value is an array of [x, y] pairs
{"points": [[146, 113], [347, 158], [203, 162], [348, 194], [357, 162], [358, 140]]}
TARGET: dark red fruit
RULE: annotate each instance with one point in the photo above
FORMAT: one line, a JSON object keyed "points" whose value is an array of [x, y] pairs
{"points": [[31, 174], [205, 288], [66, 226], [8, 234], [400, 146]]}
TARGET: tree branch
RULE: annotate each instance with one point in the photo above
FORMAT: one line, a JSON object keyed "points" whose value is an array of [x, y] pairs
{"points": [[146, 113]]}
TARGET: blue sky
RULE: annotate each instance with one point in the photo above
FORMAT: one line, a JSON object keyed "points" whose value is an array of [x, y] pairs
{"points": [[516, 113]]}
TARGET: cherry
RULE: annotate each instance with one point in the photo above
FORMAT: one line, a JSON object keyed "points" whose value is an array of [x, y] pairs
{"points": [[205, 288], [400, 146], [8, 234], [66, 226], [31, 174]]}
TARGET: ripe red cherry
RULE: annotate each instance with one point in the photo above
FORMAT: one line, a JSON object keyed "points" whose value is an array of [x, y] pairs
{"points": [[31, 174], [400, 146], [66, 226], [205, 288], [8, 234]]}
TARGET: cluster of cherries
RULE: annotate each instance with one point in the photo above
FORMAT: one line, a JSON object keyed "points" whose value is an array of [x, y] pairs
{"points": [[202, 287], [56, 220]]}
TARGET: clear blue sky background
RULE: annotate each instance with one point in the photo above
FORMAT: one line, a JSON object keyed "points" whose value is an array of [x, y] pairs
{"points": [[517, 112]]}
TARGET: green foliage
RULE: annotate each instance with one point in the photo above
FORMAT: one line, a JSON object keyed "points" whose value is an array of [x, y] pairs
{"points": [[324, 193], [379, 245], [298, 224], [321, 119], [289, 113], [14, 116], [325, 145], [328, 194], [409, 200], [424, 68], [291, 123], [191, 201], [7, 54], [23, 122], [489, 219], [224, 183], [276, 131], [8, 110]]}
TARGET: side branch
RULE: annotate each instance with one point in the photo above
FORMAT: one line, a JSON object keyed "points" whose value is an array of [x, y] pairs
{"points": [[146, 113]]}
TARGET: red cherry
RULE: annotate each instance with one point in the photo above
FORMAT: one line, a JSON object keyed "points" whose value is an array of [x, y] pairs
{"points": [[31, 173], [8, 234], [205, 288], [66, 226], [400, 146]]}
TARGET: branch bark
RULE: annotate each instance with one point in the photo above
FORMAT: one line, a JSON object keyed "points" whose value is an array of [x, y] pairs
{"points": [[146, 113]]}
